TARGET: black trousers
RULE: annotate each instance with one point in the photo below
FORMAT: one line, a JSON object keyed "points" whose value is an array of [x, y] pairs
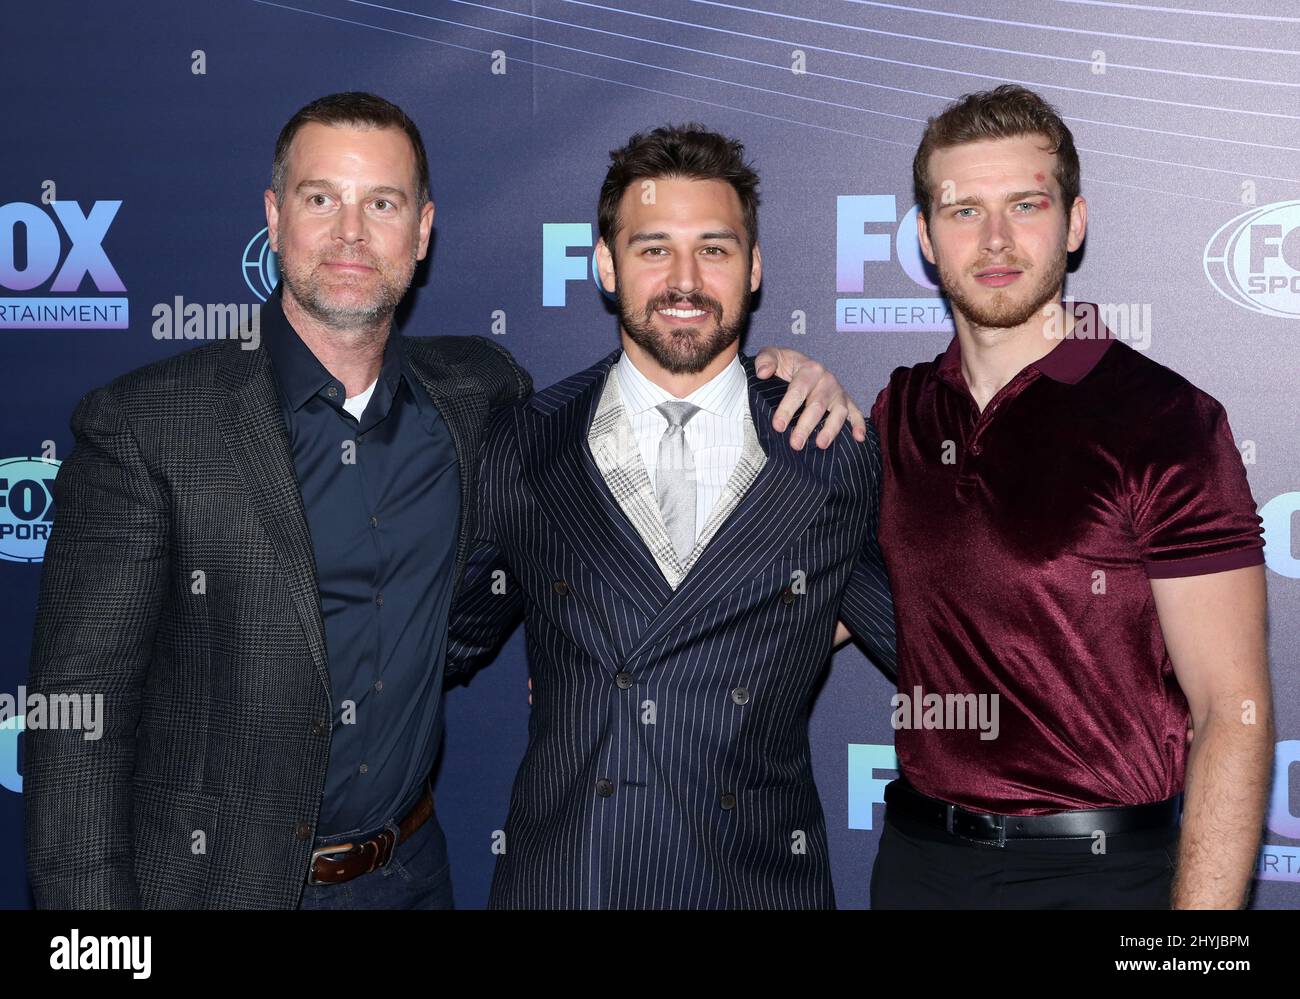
{"points": [[923, 867]]}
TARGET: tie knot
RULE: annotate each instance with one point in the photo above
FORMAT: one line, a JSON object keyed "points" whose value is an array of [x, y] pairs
{"points": [[677, 413]]}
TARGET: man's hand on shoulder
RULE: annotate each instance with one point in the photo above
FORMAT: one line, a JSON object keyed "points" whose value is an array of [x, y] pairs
{"points": [[814, 388]]}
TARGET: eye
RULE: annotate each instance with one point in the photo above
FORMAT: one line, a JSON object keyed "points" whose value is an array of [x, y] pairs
{"points": [[714, 251], [1028, 204], [382, 204], [959, 211], [317, 200], [653, 251]]}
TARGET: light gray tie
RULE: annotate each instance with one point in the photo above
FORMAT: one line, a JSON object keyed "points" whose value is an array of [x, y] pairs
{"points": [[675, 478]]}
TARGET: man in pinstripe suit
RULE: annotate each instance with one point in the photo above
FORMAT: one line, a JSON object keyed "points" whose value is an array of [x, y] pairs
{"points": [[251, 564], [680, 571]]}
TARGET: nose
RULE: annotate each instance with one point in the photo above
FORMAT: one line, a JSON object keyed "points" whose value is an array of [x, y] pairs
{"points": [[684, 274], [995, 235], [350, 222]]}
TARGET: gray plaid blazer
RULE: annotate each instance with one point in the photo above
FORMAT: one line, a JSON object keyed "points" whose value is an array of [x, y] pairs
{"points": [[180, 584]]}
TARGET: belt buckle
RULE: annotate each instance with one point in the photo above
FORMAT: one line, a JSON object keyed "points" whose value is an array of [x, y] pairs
{"points": [[383, 854], [326, 851], [974, 823]]}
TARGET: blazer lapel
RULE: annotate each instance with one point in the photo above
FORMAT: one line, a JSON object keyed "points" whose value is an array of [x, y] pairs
{"points": [[617, 455], [787, 492], [252, 425], [567, 484]]}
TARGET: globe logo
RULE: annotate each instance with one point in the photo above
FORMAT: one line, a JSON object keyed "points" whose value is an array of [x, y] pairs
{"points": [[1253, 260], [261, 266]]}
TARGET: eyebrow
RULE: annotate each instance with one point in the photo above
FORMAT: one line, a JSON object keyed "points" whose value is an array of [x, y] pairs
{"points": [[328, 185], [975, 199], [655, 237]]}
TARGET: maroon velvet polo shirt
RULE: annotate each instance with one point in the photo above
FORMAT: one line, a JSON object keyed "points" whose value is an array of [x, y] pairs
{"points": [[1020, 543]]}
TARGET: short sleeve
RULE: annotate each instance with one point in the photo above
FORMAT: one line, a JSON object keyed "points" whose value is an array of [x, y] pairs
{"points": [[1192, 507]]}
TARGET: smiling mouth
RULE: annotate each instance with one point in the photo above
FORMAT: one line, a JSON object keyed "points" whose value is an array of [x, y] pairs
{"points": [[682, 313]]}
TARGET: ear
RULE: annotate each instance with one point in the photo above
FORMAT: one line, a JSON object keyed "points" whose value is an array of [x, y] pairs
{"points": [[426, 227], [923, 237], [605, 266], [756, 269], [1078, 224], [272, 220]]}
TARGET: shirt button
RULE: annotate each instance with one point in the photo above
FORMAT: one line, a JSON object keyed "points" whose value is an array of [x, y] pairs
{"points": [[379, 684], [624, 680], [318, 728], [727, 801], [303, 831], [363, 769], [374, 521], [740, 695], [561, 588], [379, 599], [975, 449], [787, 596], [604, 787]]}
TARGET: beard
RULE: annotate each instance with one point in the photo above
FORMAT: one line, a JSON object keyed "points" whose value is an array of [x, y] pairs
{"points": [[302, 279], [1007, 308], [685, 350]]}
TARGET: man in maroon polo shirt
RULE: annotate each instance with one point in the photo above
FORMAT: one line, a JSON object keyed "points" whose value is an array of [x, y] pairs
{"points": [[1077, 571]]}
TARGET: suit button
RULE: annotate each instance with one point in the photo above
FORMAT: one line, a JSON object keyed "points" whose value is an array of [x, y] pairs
{"points": [[728, 800], [976, 450], [787, 596], [740, 695], [624, 680], [318, 728], [302, 831], [561, 588], [604, 787]]}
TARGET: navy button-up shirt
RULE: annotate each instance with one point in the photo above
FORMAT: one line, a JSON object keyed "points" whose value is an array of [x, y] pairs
{"points": [[382, 498]]}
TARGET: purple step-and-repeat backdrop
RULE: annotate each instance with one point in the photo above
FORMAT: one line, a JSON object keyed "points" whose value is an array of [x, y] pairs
{"points": [[139, 143]]}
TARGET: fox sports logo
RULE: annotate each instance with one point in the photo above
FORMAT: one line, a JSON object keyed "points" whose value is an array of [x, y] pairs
{"points": [[1254, 260]]}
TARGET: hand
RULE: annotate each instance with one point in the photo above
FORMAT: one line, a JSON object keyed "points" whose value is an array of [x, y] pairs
{"points": [[817, 390]]}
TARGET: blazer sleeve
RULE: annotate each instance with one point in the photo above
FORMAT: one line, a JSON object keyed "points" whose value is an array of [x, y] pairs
{"points": [[867, 607], [489, 602], [101, 594]]}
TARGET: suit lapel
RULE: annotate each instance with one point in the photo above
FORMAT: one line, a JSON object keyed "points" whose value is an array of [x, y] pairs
{"points": [[252, 425], [617, 455], [567, 484], [788, 490]]}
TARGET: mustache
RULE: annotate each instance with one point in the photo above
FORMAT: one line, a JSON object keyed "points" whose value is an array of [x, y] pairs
{"points": [[696, 300], [1013, 262]]}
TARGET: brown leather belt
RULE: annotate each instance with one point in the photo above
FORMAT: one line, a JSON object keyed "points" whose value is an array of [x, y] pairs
{"points": [[331, 865]]}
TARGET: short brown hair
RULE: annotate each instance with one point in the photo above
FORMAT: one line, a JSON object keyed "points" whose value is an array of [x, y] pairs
{"points": [[689, 151], [1005, 112], [359, 110]]}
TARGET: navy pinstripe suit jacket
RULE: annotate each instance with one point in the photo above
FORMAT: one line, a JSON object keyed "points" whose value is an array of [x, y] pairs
{"points": [[668, 762]]}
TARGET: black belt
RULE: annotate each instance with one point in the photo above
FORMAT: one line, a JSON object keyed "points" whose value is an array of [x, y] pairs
{"points": [[903, 799]]}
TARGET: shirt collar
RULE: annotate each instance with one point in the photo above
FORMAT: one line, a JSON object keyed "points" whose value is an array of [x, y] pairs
{"points": [[724, 395], [300, 374], [1068, 362]]}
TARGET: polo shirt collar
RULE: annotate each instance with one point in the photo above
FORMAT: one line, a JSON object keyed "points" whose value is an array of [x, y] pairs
{"points": [[1068, 362]]}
